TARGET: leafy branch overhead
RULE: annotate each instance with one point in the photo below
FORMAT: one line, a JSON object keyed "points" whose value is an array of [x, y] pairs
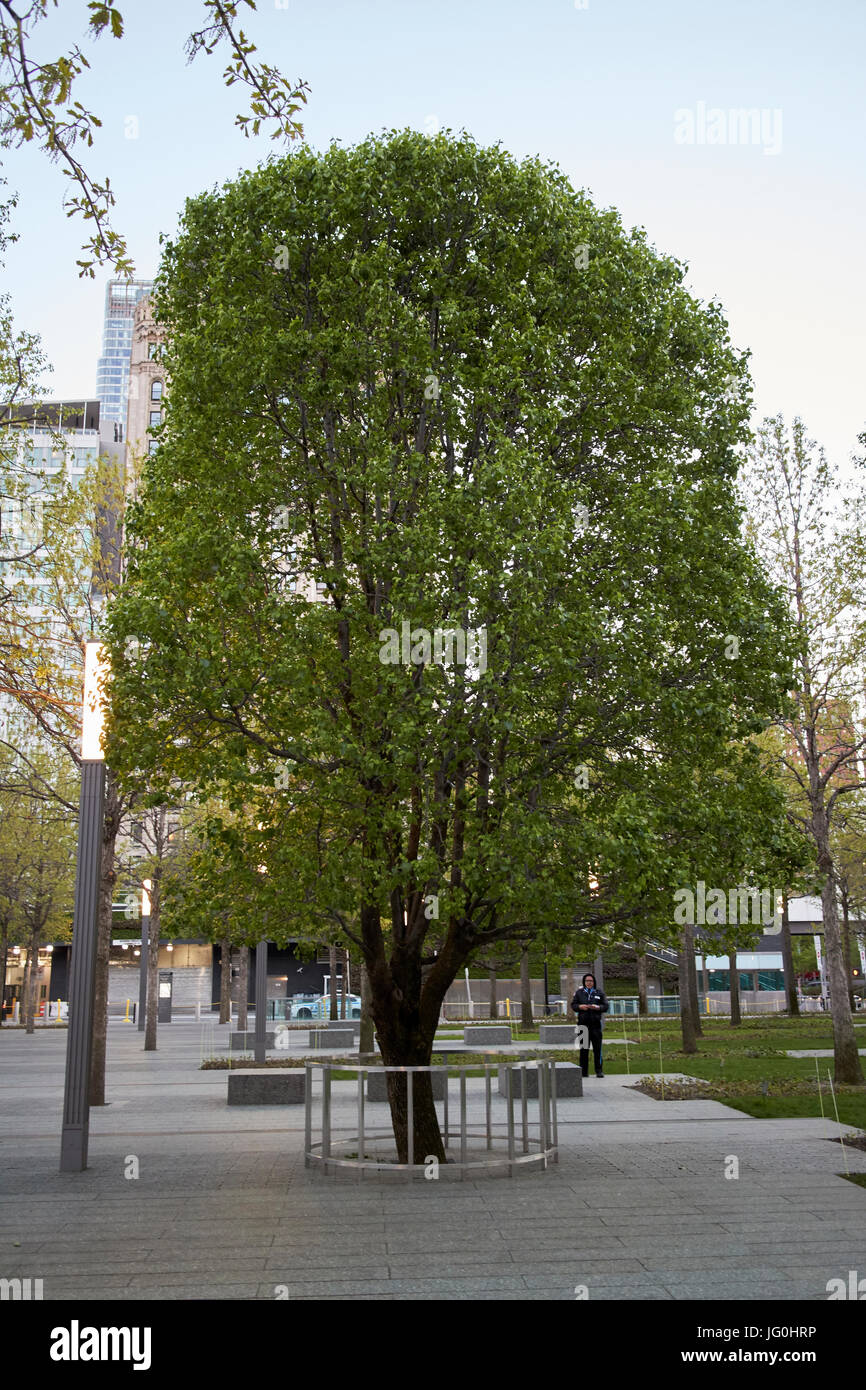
{"points": [[37, 104], [273, 96]]}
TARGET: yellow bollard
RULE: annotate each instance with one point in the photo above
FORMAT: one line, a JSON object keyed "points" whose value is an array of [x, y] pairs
{"points": [[126, 1017], [508, 1008]]}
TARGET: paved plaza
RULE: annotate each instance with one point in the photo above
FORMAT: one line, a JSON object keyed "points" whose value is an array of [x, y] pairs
{"points": [[638, 1206]]}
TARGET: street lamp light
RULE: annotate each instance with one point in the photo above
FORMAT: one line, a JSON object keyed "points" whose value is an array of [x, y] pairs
{"points": [[82, 968]]}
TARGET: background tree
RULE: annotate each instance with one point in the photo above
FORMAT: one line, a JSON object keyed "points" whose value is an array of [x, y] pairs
{"points": [[812, 546]]}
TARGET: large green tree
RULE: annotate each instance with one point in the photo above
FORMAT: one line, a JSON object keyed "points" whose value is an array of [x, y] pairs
{"points": [[419, 382]]}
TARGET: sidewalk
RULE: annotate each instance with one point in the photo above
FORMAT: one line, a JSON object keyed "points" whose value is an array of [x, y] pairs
{"points": [[637, 1208]]}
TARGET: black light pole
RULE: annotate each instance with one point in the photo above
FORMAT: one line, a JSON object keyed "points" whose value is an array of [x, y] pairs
{"points": [[261, 999], [142, 967], [82, 968], [546, 989]]}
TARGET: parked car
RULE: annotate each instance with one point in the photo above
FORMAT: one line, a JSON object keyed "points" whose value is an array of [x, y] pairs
{"points": [[319, 1006]]}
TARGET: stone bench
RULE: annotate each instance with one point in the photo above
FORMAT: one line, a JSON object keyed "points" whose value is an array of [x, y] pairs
{"points": [[322, 1039], [557, 1033], [377, 1088], [272, 1087], [353, 1023], [569, 1082], [245, 1042], [494, 1036]]}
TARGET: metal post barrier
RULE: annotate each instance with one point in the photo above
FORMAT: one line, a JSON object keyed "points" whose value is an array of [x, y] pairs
{"points": [[463, 1117], [362, 1076], [523, 1109], [509, 1087], [326, 1115], [308, 1112], [445, 1112], [554, 1134], [410, 1122], [487, 1080]]}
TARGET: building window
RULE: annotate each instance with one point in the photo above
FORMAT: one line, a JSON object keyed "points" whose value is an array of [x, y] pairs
{"points": [[771, 979], [152, 446], [152, 350], [156, 391], [155, 418]]}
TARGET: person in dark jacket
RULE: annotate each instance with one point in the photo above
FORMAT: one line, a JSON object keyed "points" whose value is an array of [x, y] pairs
{"points": [[590, 1005]]}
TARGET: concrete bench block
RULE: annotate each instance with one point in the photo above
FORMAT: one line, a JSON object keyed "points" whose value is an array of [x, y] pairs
{"points": [[246, 1042], [494, 1036], [322, 1039], [377, 1088], [273, 1087], [557, 1033], [569, 1082], [353, 1023]]}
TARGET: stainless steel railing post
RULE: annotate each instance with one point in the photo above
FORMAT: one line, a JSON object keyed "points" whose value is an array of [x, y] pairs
{"points": [[308, 1113], [509, 1087], [410, 1123], [362, 1077], [326, 1114], [487, 1080]]}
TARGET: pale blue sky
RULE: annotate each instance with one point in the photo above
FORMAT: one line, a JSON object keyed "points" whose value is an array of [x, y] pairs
{"points": [[778, 238]]}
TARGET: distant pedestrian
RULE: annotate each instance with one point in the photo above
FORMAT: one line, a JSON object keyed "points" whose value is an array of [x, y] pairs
{"points": [[590, 1005]]}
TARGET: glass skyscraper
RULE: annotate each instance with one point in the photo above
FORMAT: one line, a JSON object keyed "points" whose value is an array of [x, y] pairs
{"points": [[112, 372]]}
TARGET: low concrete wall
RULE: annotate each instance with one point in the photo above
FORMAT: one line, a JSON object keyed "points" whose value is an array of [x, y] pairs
{"points": [[246, 1042], [494, 1036], [377, 1088], [321, 1039], [273, 1087], [569, 1082], [557, 1033]]}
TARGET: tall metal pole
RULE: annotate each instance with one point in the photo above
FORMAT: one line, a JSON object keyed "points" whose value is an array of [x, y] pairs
{"points": [[261, 999], [82, 970], [142, 971]]}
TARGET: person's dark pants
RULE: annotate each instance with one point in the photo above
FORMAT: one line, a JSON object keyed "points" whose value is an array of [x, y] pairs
{"points": [[595, 1044]]}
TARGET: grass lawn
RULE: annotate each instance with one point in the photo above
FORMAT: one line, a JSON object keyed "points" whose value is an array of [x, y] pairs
{"points": [[852, 1106]]}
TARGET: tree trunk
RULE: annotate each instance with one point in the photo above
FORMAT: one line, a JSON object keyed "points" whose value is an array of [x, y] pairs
{"points": [[847, 1069], [788, 962], [569, 993], [152, 966], [107, 881], [846, 950], [493, 1011], [694, 999], [332, 990], [736, 1017], [687, 1018], [526, 1019], [244, 987], [226, 980], [25, 991], [641, 983], [404, 1044], [365, 1039], [4, 961], [406, 1003]]}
